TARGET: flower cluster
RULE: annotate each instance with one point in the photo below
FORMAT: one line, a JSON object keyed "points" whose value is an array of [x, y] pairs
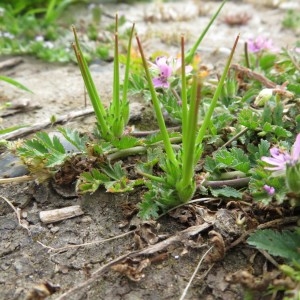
{"points": [[260, 44], [164, 69], [285, 164]]}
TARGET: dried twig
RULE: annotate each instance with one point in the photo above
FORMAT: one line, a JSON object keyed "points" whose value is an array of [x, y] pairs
{"points": [[194, 274], [254, 75], [61, 249], [9, 63], [18, 213], [16, 179], [179, 237], [38, 126]]}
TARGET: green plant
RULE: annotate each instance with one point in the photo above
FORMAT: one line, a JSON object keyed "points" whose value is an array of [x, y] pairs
{"points": [[178, 185], [291, 20], [111, 121]]}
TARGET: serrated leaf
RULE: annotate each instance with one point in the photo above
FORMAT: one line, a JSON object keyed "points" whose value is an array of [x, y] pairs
{"points": [[284, 244], [115, 172], [234, 158], [263, 148], [278, 114], [226, 191], [74, 138], [281, 132], [148, 209], [248, 119], [210, 164], [125, 142]]}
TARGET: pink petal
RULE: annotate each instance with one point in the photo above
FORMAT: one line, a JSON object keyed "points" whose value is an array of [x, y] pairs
{"points": [[296, 149], [157, 82], [273, 161]]}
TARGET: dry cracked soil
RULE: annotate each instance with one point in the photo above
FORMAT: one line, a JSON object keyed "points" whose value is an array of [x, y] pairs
{"points": [[150, 260]]}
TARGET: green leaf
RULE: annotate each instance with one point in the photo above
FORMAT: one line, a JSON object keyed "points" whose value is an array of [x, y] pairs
{"points": [[11, 129], [148, 209], [15, 83], [248, 119], [74, 138], [125, 142], [284, 244], [226, 191], [115, 172], [280, 132], [234, 158]]}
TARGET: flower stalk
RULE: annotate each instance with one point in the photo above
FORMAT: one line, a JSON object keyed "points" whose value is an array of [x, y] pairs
{"points": [[215, 98], [191, 53], [156, 104], [111, 121]]}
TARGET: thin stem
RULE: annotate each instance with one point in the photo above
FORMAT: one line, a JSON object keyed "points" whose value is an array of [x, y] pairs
{"points": [[90, 86], [216, 96], [189, 137], [247, 61], [116, 82], [191, 52], [156, 105], [183, 94], [152, 177], [127, 68], [194, 274]]}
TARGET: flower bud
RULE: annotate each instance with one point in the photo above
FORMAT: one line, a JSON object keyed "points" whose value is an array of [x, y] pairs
{"points": [[293, 177], [263, 97]]}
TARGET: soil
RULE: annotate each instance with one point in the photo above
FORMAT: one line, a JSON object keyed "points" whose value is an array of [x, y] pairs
{"points": [[28, 269]]}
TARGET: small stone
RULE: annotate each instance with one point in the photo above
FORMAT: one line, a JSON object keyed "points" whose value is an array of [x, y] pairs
{"points": [[86, 219], [54, 229]]}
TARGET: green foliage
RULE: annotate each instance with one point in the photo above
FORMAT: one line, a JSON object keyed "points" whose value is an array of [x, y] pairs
{"points": [[291, 20], [111, 121], [249, 119], [227, 192], [234, 158], [113, 177], [45, 151], [261, 177], [284, 244], [15, 83]]}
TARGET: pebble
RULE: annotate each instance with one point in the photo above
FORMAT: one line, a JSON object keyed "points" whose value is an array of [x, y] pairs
{"points": [[54, 229], [86, 219]]}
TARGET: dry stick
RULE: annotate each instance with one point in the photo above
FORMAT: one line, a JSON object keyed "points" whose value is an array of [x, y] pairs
{"points": [[9, 63], [179, 237], [254, 75], [187, 203], [17, 211], [38, 126], [234, 138], [16, 179], [194, 274], [51, 249], [269, 257]]}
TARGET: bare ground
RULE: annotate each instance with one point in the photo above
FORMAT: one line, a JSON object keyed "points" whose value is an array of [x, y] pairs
{"points": [[163, 272]]}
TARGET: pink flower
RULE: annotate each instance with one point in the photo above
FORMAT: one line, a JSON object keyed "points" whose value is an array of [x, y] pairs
{"points": [[165, 71], [280, 159], [164, 68], [269, 189], [259, 44]]}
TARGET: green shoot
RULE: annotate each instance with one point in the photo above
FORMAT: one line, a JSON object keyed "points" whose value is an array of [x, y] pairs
{"points": [[216, 96], [111, 121], [15, 83], [158, 112], [191, 53]]}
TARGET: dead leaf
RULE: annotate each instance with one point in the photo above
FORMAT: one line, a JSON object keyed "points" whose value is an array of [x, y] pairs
{"points": [[132, 268], [218, 251], [42, 291]]}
